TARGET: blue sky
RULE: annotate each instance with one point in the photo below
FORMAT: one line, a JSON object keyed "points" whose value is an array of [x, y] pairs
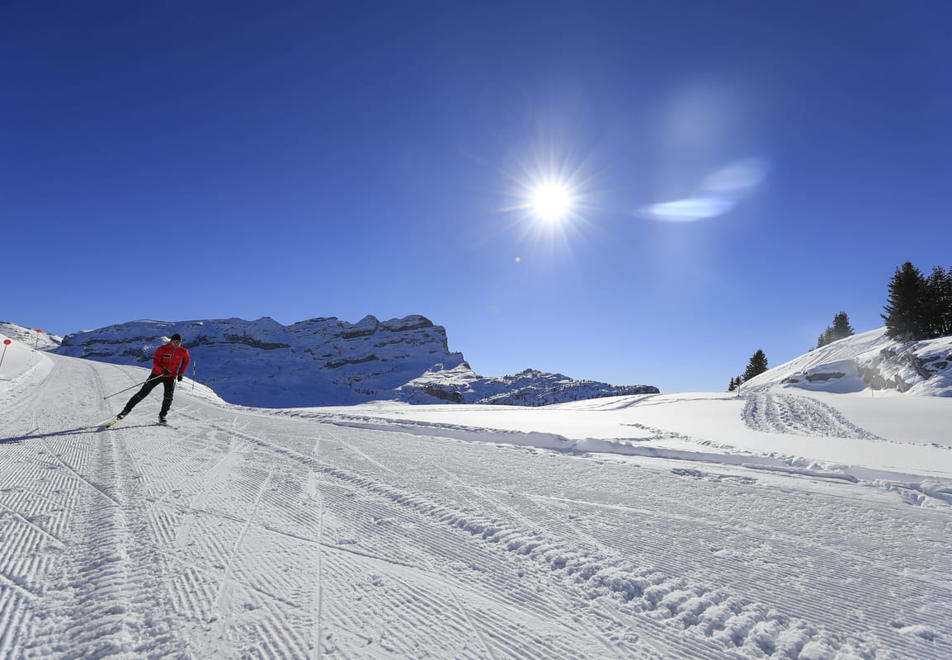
{"points": [[208, 160]]}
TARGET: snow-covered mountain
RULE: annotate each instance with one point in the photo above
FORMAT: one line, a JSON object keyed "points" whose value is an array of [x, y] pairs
{"points": [[326, 361], [527, 388], [870, 359]]}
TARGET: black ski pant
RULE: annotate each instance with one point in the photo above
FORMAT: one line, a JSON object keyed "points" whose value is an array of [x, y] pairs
{"points": [[148, 386]]}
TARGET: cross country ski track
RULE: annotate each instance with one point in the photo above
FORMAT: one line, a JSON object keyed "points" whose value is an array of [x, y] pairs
{"points": [[247, 533]]}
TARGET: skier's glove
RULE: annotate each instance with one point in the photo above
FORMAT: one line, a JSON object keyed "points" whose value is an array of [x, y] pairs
{"points": [[180, 378], [166, 372]]}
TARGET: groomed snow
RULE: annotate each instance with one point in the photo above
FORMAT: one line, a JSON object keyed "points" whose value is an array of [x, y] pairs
{"points": [[783, 523]]}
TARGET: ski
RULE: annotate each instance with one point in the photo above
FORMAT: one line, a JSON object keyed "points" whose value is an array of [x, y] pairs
{"points": [[108, 425]]}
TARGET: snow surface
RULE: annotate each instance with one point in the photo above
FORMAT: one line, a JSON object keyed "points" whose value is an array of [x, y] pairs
{"points": [[782, 523]]}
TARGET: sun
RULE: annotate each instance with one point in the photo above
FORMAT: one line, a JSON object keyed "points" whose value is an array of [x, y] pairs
{"points": [[550, 198], [551, 202]]}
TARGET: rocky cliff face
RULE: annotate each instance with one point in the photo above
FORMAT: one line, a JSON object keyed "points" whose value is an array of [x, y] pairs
{"points": [[325, 361]]}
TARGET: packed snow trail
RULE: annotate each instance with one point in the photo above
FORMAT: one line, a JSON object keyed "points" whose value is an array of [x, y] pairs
{"points": [[253, 533]]}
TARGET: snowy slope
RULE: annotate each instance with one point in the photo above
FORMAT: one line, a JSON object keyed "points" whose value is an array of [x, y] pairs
{"points": [[870, 359], [34, 337], [676, 526]]}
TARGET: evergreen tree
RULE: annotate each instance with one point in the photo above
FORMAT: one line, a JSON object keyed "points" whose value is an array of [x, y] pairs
{"points": [[756, 366], [841, 327], [947, 305], [937, 306], [905, 318]]}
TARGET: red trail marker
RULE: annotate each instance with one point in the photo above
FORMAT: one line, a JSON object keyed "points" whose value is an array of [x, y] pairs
{"points": [[6, 342]]}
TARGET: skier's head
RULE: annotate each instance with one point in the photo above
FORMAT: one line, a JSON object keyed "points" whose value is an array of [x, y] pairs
{"points": [[176, 338]]}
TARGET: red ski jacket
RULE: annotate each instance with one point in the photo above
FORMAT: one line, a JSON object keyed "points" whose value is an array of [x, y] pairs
{"points": [[171, 358]]}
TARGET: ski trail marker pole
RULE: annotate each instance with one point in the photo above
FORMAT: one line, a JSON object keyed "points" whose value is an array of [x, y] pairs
{"points": [[6, 342], [37, 340]]}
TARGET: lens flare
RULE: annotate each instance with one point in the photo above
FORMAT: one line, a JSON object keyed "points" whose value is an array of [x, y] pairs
{"points": [[717, 194], [688, 210]]}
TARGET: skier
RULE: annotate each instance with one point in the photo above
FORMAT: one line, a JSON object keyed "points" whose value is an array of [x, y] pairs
{"points": [[168, 365]]}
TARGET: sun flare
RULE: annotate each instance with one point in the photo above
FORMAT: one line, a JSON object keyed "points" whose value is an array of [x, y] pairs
{"points": [[550, 198], [551, 202]]}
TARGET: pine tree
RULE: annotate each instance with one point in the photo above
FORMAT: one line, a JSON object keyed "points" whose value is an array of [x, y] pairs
{"points": [[841, 327], [904, 315], [756, 366], [937, 306], [947, 309]]}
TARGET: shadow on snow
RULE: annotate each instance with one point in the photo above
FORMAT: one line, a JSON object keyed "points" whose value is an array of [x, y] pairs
{"points": [[81, 430]]}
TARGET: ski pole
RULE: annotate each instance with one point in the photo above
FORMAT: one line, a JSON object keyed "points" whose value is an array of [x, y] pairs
{"points": [[129, 388]]}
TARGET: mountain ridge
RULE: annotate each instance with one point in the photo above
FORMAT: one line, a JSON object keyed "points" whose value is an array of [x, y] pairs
{"points": [[326, 361]]}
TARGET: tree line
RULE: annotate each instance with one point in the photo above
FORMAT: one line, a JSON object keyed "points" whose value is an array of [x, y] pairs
{"points": [[917, 308]]}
